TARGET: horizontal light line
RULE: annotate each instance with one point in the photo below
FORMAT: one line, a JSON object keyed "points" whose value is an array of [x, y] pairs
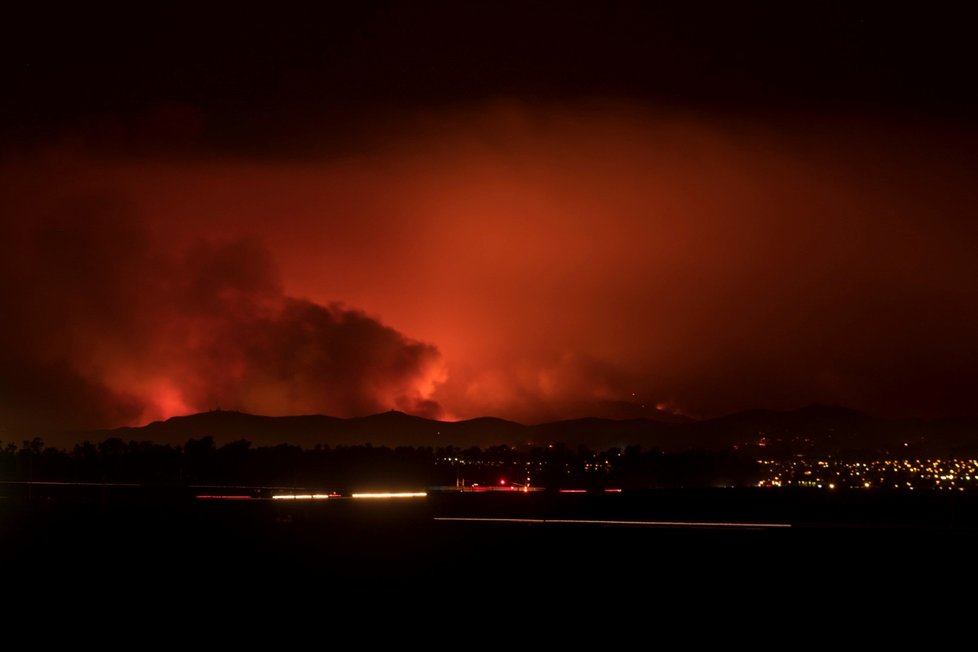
{"points": [[405, 494], [73, 484], [490, 520], [303, 496], [703, 524], [244, 486], [224, 497], [672, 523]]}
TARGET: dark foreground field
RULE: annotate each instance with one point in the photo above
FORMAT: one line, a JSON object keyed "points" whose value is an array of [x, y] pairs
{"points": [[149, 545]]}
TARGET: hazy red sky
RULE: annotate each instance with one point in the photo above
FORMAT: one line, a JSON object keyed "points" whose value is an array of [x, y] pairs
{"points": [[533, 210], [527, 260]]}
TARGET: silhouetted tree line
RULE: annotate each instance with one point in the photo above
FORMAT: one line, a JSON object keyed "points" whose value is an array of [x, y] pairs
{"points": [[201, 461]]}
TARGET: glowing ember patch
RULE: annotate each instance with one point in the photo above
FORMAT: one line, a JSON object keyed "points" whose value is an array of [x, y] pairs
{"points": [[166, 401]]}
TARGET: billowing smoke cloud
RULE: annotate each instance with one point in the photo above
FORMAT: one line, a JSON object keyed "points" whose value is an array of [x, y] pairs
{"points": [[104, 324], [567, 261]]}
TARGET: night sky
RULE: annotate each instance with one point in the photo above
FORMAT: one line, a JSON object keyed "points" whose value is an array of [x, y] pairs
{"points": [[532, 210]]}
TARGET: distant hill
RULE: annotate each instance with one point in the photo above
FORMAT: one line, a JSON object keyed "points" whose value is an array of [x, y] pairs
{"points": [[812, 429], [385, 429]]}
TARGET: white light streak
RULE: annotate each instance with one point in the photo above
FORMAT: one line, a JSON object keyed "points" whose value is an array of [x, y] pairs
{"points": [[303, 496], [703, 524], [402, 494]]}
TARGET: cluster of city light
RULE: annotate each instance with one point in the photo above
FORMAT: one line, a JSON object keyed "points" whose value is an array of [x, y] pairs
{"points": [[602, 466], [481, 462], [944, 474]]}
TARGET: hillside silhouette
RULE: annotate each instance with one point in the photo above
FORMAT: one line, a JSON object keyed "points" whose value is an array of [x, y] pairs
{"points": [[816, 428]]}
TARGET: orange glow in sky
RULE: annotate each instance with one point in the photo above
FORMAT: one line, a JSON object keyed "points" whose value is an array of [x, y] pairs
{"points": [[525, 261]]}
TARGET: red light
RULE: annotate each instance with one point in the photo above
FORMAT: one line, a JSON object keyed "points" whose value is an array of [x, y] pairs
{"points": [[573, 491], [612, 491], [502, 482]]}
